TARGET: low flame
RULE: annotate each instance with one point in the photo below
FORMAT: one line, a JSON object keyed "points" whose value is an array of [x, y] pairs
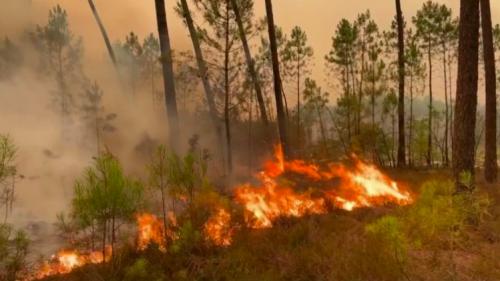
{"points": [[361, 186], [67, 260]]}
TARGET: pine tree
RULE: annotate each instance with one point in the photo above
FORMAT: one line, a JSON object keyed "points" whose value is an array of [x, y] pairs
{"points": [[466, 98], [490, 161]]}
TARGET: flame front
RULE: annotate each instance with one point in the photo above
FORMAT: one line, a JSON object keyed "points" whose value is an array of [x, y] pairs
{"points": [[361, 186]]}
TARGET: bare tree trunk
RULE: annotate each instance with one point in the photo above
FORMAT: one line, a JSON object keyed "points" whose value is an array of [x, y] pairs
{"points": [[299, 145], [104, 34], [429, 137], [450, 91], [202, 69], [104, 242], [277, 79], [490, 161], [251, 64], [466, 99], [322, 128], [226, 97], [410, 134], [360, 93], [401, 73], [446, 103], [168, 73]]}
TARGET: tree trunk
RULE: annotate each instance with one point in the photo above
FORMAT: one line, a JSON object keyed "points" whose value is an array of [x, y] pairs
{"points": [[104, 34], [202, 69], [490, 161], [250, 64], [104, 241], [446, 104], [361, 81], [429, 133], [450, 91], [466, 98], [299, 145], [168, 73], [322, 129], [226, 96], [401, 72], [410, 134], [277, 79]]}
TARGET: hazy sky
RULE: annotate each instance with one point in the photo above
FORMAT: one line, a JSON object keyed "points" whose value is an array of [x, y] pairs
{"points": [[317, 17]]}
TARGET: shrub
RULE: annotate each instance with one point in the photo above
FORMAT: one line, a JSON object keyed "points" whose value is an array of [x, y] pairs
{"points": [[142, 270]]}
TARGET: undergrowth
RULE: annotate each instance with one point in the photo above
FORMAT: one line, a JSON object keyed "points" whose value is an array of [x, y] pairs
{"points": [[441, 236]]}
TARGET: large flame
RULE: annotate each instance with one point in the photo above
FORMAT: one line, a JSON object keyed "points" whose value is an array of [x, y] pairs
{"points": [[363, 185]]}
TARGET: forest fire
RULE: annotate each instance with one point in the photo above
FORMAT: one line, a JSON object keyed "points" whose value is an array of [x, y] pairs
{"points": [[363, 185], [342, 187]]}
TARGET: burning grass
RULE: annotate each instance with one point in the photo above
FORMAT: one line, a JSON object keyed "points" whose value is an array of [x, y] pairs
{"points": [[438, 231], [343, 187]]}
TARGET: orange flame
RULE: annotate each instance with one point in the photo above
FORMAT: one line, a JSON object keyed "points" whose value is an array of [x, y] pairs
{"points": [[218, 228], [150, 229], [67, 260], [362, 186]]}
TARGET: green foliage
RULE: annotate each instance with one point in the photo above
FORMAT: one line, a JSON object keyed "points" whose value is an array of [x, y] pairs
{"points": [[60, 51], [188, 239], [8, 173], [441, 215], [388, 231], [297, 55], [184, 175], [13, 252], [105, 192], [104, 196], [60, 56], [142, 270]]}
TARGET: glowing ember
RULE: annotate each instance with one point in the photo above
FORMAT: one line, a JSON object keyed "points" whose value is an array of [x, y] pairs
{"points": [[362, 186], [218, 228]]}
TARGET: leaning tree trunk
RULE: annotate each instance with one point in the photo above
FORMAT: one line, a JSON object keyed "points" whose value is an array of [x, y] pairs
{"points": [[202, 69], [466, 99], [250, 64], [229, 155], [401, 74], [104, 34], [490, 161], [168, 73], [277, 79]]}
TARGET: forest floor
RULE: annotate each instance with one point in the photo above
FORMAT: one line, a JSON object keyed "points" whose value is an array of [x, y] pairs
{"points": [[436, 238]]}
